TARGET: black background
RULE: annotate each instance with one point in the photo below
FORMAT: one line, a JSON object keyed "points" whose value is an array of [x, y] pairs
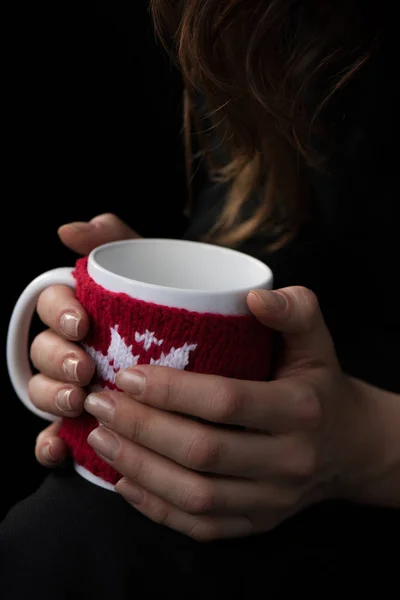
{"points": [[93, 124]]}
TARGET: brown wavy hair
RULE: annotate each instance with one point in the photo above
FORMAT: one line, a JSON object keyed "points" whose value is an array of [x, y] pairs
{"points": [[267, 70]]}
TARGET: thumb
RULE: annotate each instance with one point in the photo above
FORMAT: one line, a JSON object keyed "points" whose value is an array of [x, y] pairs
{"points": [[295, 312], [82, 237]]}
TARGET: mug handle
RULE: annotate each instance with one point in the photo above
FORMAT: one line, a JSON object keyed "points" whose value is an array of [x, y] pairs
{"points": [[17, 354]]}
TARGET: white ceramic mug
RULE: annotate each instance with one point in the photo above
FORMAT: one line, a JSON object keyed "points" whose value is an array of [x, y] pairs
{"points": [[169, 302]]}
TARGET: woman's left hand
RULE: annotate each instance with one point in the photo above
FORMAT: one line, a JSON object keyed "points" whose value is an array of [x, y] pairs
{"points": [[297, 446]]}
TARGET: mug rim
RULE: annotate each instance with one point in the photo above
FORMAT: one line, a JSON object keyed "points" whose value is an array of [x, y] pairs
{"points": [[267, 280]]}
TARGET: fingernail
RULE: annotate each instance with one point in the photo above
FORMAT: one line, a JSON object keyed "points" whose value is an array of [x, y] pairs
{"points": [[101, 408], [63, 400], [131, 492], [132, 382], [104, 442], [46, 454], [70, 368], [270, 300], [69, 323]]}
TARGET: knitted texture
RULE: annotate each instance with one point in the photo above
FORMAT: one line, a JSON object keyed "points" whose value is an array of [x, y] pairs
{"points": [[126, 332]]}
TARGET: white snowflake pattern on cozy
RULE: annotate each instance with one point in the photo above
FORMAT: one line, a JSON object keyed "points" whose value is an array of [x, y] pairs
{"points": [[176, 358], [120, 356], [148, 338]]}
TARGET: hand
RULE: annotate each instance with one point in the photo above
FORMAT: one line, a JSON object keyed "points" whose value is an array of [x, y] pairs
{"points": [[298, 445], [64, 367]]}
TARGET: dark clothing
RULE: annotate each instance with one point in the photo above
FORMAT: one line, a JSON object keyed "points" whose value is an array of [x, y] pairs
{"points": [[71, 539]]}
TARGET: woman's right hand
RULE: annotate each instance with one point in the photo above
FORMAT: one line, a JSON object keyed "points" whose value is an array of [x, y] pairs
{"points": [[64, 367]]}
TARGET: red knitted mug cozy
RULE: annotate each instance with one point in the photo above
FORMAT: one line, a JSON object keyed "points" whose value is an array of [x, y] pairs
{"points": [[126, 332]]}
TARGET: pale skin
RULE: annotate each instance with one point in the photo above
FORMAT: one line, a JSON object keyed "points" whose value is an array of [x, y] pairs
{"points": [[313, 433]]}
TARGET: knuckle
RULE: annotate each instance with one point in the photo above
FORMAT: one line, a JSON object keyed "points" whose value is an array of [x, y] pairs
{"points": [[138, 470], [202, 453], [308, 303], [133, 429], [202, 531], [168, 388], [41, 438], [287, 499], [226, 402], [308, 407], [302, 461], [45, 300], [33, 388], [161, 514], [136, 427], [33, 384], [107, 218], [198, 498], [36, 348], [307, 464]]}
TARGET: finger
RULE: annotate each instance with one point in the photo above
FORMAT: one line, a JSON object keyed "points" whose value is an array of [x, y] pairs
{"points": [[192, 492], [279, 406], [295, 312], [59, 309], [200, 528], [60, 359], [50, 450], [201, 447], [83, 237], [56, 397]]}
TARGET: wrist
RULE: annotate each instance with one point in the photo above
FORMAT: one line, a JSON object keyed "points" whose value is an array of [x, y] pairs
{"points": [[371, 473]]}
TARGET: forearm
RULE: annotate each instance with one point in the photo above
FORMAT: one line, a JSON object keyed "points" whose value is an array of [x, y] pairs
{"points": [[375, 478]]}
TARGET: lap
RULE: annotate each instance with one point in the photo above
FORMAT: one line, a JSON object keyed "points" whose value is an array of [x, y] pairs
{"points": [[73, 539]]}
